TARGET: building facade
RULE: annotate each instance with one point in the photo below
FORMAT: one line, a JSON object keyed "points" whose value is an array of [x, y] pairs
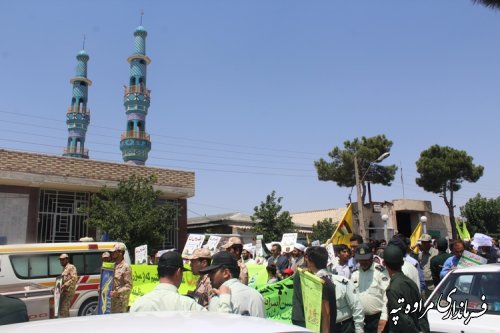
{"points": [[40, 195]]}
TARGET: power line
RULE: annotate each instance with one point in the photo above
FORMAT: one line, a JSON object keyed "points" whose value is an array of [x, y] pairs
{"points": [[179, 167], [176, 137]]}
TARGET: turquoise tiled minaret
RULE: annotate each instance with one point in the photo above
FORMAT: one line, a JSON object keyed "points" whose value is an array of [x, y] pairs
{"points": [[78, 115], [135, 143]]}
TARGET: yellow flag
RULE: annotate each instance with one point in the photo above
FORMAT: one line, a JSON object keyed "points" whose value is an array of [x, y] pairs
{"points": [[343, 233], [415, 236]]}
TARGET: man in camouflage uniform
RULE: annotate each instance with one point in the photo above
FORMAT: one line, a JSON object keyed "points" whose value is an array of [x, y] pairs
{"points": [[235, 246], [122, 282], [68, 286], [201, 259]]}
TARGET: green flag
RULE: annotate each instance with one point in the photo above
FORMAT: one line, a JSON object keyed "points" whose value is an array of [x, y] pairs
{"points": [[312, 291], [463, 233]]}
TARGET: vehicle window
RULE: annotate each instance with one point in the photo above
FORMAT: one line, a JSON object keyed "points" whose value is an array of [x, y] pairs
{"points": [[463, 284], [93, 263], [470, 288], [38, 266], [21, 266], [488, 285], [78, 259], [55, 267]]}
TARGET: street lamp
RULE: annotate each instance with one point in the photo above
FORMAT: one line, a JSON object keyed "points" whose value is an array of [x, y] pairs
{"points": [[423, 220], [385, 217], [361, 216]]}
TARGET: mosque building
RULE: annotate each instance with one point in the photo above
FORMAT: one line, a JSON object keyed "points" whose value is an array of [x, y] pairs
{"points": [[40, 194]]}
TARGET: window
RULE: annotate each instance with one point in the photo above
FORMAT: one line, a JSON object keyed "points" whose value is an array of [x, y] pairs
{"points": [[38, 266], [55, 267], [20, 265], [87, 263], [471, 287]]}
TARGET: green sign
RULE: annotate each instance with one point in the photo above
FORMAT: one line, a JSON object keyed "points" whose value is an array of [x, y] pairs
{"points": [[257, 275], [278, 300], [145, 279], [312, 290]]}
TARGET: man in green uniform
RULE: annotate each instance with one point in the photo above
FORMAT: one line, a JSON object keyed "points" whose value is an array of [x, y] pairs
{"points": [[437, 262], [401, 287]]}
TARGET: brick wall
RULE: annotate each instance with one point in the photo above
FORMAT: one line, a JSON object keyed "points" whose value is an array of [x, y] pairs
{"points": [[89, 169]]}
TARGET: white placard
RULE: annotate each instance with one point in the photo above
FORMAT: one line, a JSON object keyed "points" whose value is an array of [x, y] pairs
{"points": [[141, 255], [331, 255], [288, 241], [193, 242], [470, 259], [316, 243], [212, 243], [259, 250]]}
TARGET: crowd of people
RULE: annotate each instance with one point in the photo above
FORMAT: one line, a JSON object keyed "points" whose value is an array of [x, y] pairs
{"points": [[360, 285]]}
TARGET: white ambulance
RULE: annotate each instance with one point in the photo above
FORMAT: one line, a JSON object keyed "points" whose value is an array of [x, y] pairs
{"points": [[39, 263]]}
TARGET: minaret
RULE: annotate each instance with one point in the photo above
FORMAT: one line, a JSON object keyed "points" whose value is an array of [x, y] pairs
{"points": [[135, 143], [78, 115]]}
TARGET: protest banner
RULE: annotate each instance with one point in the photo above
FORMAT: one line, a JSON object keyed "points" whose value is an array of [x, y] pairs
{"points": [[259, 250], [141, 255], [278, 300], [105, 287], [212, 243], [316, 243], [312, 290], [193, 242], [257, 275], [470, 259], [332, 260], [145, 278], [288, 241]]}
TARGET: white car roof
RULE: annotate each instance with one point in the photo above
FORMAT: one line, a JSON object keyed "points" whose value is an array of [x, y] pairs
{"points": [[172, 321], [486, 268]]}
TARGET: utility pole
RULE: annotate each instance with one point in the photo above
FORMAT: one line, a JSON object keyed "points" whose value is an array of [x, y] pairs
{"points": [[361, 215]]}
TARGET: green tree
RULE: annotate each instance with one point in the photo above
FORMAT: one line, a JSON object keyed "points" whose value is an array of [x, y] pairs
{"points": [[482, 214], [495, 4], [132, 213], [270, 221], [323, 230], [367, 150], [443, 170]]}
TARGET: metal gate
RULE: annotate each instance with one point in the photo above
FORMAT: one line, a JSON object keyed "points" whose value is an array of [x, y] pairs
{"points": [[58, 216]]}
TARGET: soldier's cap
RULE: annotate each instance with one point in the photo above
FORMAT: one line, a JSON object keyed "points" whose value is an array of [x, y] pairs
{"points": [[425, 238], [118, 247], [105, 255], [64, 256], [363, 252], [221, 259], [171, 259], [200, 253], [393, 255], [232, 241]]}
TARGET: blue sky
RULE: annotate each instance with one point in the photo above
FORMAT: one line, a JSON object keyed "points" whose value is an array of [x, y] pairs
{"points": [[249, 93]]}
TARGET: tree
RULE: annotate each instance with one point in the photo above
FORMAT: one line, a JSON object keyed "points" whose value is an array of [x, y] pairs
{"points": [[482, 214], [443, 170], [494, 4], [132, 213], [269, 221], [367, 150], [323, 230]]}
